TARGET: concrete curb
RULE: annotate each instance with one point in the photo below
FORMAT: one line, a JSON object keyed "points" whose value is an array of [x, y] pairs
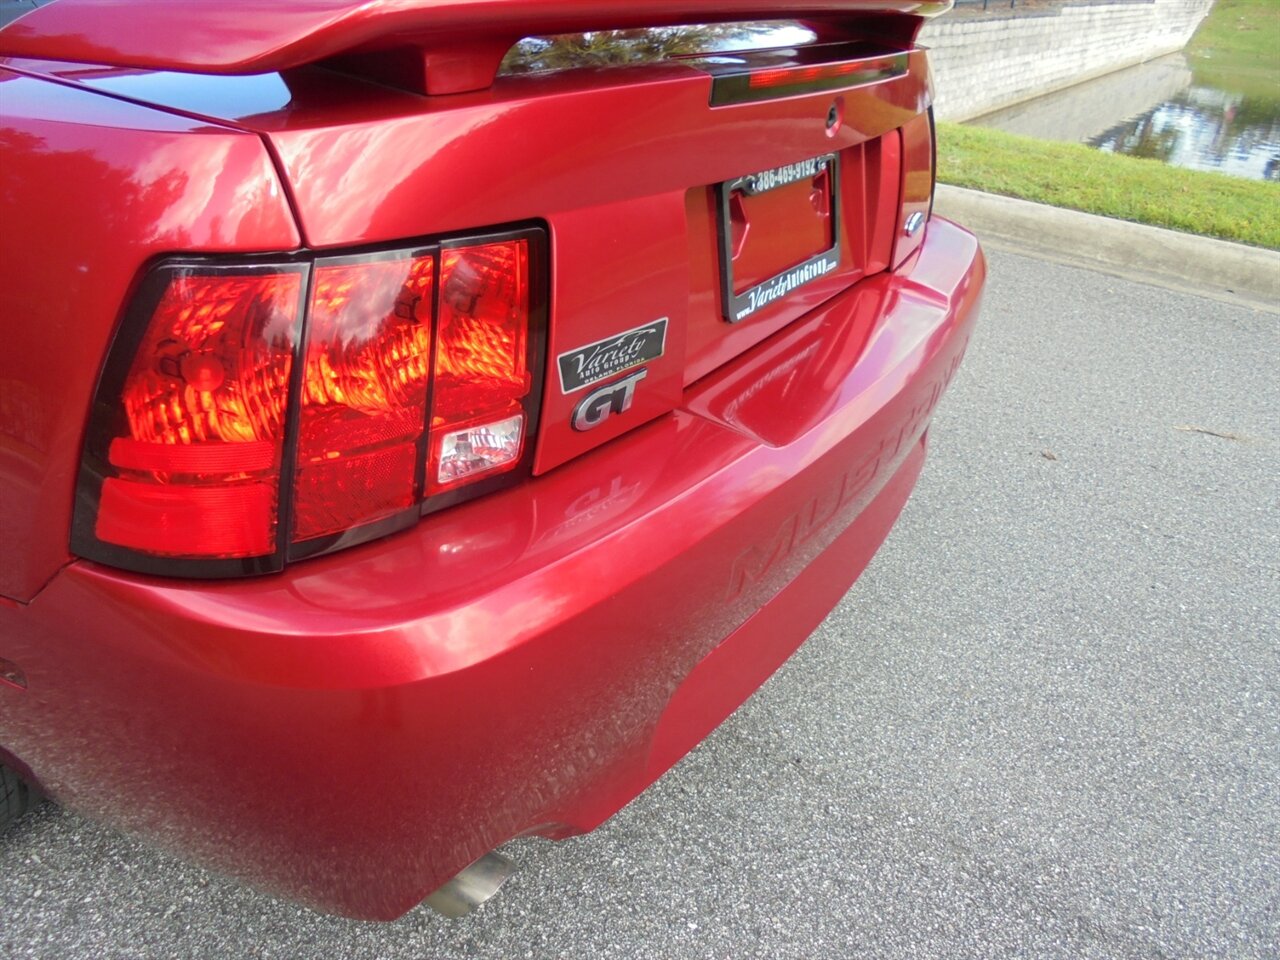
{"points": [[1117, 246]]}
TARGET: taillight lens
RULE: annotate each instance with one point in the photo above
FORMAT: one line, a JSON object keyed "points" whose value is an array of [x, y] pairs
{"points": [[364, 393], [188, 456], [482, 372], [252, 414]]}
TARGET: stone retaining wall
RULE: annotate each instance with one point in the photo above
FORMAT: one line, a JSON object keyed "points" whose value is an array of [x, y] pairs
{"points": [[1088, 110], [983, 63]]}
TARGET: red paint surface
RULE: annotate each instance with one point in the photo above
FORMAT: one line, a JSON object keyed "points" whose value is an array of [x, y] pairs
{"points": [[504, 667], [619, 166], [107, 185], [917, 183], [354, 730]]}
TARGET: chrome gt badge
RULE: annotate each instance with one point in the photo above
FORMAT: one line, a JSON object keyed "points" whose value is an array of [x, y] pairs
{"points": [[597, 406]]}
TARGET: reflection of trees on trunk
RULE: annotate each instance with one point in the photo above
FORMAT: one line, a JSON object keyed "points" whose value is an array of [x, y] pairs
{"points": [[608, 48], [113, 208], [1202, 125]]}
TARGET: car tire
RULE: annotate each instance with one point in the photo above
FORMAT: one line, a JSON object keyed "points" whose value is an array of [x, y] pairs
{"points": [[15, 797]]}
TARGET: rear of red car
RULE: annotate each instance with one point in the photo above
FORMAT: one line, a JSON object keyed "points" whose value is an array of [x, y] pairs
{"points": [[421, 424]]}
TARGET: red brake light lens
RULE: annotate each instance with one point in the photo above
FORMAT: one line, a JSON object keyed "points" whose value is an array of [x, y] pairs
{"points": [[482, 372], [739, 81], [364, 393], [802, 76], [192, 465], [246, 417]]}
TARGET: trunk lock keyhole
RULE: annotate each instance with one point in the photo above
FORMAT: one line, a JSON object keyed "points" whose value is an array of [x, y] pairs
{"points": [[835, 117]]}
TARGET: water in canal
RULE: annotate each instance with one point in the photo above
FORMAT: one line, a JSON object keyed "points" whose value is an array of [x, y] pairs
{"points": [[1161, 111]]}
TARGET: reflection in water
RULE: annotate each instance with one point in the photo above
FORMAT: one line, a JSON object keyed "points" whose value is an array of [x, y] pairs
{"points": [[1203, 129], [1159, 111]]}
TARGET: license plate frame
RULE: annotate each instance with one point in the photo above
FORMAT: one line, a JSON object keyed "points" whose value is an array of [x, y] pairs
{"points": [[736, 307]]}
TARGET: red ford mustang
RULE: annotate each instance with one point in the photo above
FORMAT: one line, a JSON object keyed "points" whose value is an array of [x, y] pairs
{"points": [[422, 422]]}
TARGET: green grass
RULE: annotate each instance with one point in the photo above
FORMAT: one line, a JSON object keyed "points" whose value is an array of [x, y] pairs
{"points": [[1237, 48], [1127, 188]]}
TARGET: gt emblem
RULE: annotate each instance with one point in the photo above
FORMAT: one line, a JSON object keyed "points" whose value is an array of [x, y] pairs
{"points": [[615, 397]]}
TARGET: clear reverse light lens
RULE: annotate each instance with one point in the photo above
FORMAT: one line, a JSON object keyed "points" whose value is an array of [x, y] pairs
{"points": [[480, 449]]}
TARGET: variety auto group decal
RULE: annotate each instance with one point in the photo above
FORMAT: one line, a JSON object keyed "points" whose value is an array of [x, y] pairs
{"points": [[597, 361]]}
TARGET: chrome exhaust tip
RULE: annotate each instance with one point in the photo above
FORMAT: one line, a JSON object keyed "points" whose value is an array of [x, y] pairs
{"points": [[472, 886]]}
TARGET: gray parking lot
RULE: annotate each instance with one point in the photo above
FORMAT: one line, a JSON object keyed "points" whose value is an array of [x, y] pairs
{"points": [[1045, 723]]}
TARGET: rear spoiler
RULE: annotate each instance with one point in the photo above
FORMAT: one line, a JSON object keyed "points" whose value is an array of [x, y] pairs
{"points": [[432, 46]]}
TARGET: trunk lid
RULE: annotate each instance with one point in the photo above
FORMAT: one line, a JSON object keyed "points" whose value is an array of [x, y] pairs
{"points": [[671, 192]]}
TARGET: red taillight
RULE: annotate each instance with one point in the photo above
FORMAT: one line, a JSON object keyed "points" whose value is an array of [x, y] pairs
{"points": [[194, 457], [416, 374], [803, 76], [364, 393], [482, 373]]}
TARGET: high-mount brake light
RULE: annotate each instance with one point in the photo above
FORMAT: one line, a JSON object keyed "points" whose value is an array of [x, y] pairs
{"points": [[738, 80], [801, 76], [249, 413]]}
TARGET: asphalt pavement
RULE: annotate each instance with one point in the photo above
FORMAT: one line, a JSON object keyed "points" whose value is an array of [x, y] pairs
{"points": [[1045, 722]]}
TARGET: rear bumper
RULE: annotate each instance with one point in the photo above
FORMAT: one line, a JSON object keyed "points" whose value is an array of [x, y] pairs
{"points": [[354, 731]]}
